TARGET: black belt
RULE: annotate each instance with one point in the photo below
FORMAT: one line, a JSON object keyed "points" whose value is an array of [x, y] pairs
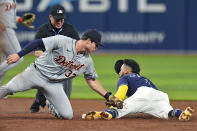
{"points": [[35, 66]]}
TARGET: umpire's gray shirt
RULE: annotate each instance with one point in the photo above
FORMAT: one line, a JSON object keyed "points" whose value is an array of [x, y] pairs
{"points": [[60, 60]]}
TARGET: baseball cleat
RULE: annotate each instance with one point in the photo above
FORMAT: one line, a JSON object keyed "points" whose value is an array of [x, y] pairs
{"points": [[92, 115], [186, 114], [106, 115], [52, 110], [35, 107]]}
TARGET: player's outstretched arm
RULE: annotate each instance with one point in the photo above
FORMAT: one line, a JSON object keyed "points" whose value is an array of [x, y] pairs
{"points": [[96, 86], [111, 99], [27, 49]]}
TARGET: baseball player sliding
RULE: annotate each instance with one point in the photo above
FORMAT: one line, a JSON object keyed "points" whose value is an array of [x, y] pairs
{"points": [[64, 58], [8, 20], [143, 96]]}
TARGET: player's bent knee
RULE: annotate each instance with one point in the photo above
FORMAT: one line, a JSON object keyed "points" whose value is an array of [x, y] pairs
{"points": [[67, 116], [3, 92]]}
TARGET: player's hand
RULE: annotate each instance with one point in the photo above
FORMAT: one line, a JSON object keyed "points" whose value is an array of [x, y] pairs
{"points": [[12, 58], [38, 53], [9, 6], [114, 101]]}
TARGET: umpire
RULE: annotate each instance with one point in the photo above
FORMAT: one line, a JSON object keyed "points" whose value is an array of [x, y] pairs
{"points": [[56, 26]]}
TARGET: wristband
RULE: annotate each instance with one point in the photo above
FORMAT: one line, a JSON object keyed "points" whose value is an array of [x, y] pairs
{"points": [[107, 95]]}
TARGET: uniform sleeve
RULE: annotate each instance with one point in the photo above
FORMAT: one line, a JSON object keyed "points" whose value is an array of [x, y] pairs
{"points": [[53, 42], [122, 88], [121, 92], [90, 72]]}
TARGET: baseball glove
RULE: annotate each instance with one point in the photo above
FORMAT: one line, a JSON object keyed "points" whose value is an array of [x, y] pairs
{"points": [[114, 101], [28, 19]]}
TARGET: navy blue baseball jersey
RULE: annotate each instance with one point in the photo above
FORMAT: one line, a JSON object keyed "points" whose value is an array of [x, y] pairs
{"points": [[134, 81]]}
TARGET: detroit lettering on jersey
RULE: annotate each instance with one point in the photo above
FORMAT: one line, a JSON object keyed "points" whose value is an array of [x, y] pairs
{"points": [[60, 61], [134, 81], [70, 64]]}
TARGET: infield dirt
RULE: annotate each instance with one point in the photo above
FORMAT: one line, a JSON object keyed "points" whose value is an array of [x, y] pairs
{"points": [[15, 116]]}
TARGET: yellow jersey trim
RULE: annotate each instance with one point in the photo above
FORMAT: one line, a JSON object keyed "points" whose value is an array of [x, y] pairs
{"points": [[122, 91]]}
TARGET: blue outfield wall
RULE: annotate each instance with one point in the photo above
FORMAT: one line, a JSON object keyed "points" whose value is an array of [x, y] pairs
{"points": [[125, 24]]}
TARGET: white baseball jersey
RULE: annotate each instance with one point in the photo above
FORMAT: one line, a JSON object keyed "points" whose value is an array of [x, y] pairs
{"points": [[8, 17], [60, 60]]}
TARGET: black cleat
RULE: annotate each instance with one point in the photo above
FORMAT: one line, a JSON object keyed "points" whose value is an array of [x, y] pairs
{"points": [[35, 107]]}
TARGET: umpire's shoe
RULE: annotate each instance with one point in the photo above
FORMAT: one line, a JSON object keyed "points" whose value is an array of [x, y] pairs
{"points": [[35, 107], [186, 114]]}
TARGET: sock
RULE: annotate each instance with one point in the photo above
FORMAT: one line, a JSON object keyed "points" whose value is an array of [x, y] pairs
{"points": [[175, 113], [112, 111]]}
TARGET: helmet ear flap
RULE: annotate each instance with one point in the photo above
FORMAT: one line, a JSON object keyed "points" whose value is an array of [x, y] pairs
{"points": [[118, 65]]}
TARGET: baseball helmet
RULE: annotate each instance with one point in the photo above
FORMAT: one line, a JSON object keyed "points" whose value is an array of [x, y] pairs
{"points": [[118, 65]]}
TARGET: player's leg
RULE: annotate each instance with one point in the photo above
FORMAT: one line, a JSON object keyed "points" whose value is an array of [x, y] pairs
{"points": [[145, 100], [136, 103], [4, 67], [67, 87], [11, 46], [159, 104], [59, 102], [40, 100], [2, 64], [22, 82]]}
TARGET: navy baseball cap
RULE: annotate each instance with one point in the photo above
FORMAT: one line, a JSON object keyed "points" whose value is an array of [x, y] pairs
{"points": [[58, 12], [94, 35]]}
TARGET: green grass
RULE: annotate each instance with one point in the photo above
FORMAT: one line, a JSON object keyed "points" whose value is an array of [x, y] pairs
{"points": [[175, 75]]}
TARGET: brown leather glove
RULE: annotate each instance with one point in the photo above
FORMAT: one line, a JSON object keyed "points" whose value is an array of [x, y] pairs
{"points": [[28, 19], [113, 101]]}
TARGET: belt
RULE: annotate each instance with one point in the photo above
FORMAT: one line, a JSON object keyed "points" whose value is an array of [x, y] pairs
{"points": [[35, 66], [45, 77]]}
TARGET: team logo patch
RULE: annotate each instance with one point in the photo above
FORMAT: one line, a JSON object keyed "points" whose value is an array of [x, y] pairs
{"points": [[60, 11]]}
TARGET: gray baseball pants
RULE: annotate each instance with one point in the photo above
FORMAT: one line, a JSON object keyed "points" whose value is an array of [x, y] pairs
{"points": [[40, 98], [11, 46], [30, 78]]}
